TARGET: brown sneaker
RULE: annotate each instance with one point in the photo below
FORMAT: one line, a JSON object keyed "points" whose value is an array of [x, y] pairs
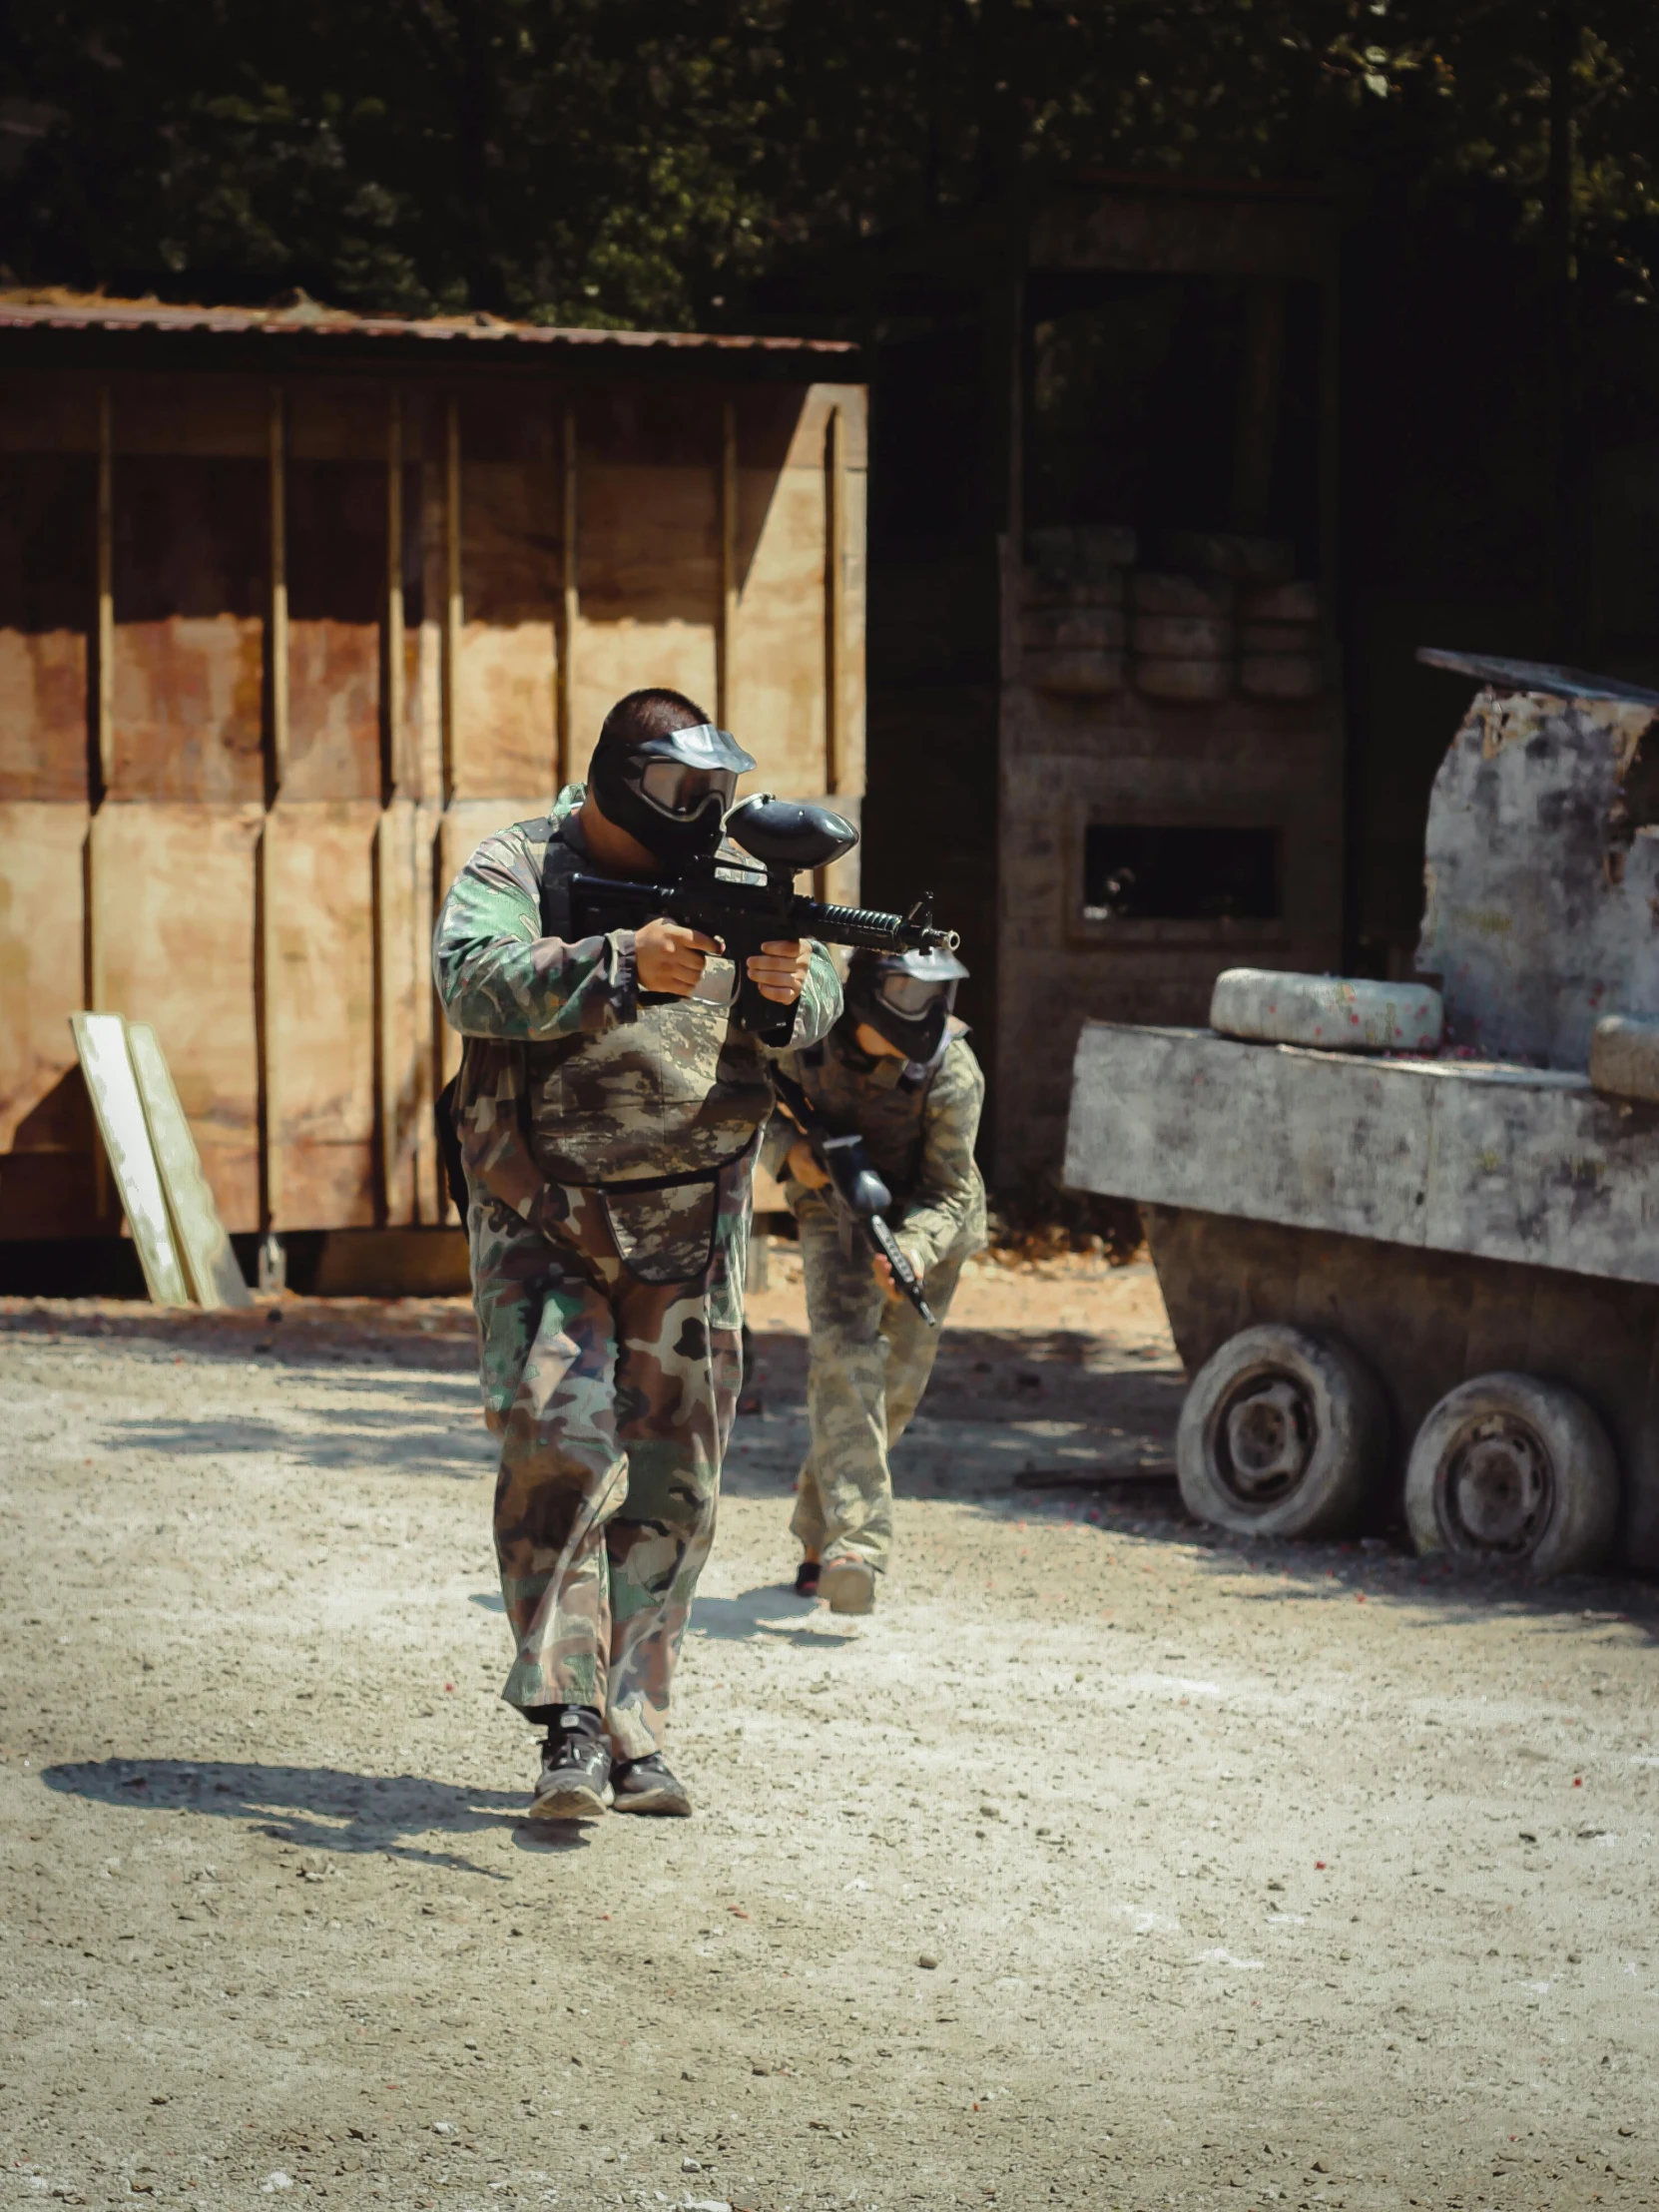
{"points": [[848, 1584]]}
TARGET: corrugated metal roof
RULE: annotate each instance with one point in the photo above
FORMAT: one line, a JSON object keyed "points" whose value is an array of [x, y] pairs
{"points": [[54, 310]]}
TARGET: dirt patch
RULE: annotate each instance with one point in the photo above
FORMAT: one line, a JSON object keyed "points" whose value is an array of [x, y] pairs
{"points": [[1247, 1874]]}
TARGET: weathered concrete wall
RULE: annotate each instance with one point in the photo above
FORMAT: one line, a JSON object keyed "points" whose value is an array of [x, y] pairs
{"points": [[1542, 876], [1507, 1163], [1130, 758]]}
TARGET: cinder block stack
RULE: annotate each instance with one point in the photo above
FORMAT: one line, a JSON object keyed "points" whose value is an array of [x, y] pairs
{"points": [[1071, 618], [1222, 613], [1226, 612], [1279, 655], [1185, 643]]}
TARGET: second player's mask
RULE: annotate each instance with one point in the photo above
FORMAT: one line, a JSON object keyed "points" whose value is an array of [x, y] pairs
{"points": [[905, 997]]}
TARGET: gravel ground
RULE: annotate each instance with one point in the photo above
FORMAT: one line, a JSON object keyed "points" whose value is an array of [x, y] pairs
{"points": [[1109, 1863]]}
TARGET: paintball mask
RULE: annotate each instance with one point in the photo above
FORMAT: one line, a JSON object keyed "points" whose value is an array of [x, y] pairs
{"points": [[905, 997], [671, 793]]}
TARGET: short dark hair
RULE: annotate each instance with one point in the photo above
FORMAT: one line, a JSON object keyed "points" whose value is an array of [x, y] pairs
{"points": [[649, 713]]}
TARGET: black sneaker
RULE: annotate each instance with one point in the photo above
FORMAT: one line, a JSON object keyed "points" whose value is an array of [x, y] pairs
{"points": [[575, 1781], [646, 1786], [806, 1578]]}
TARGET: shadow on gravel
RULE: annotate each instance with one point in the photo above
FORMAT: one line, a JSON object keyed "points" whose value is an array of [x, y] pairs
{"points": [[317, 1808], [450, 1440], [770, 1609]]}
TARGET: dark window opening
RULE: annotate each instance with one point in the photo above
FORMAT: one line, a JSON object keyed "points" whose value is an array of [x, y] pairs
{"points": [[1136, 874]]}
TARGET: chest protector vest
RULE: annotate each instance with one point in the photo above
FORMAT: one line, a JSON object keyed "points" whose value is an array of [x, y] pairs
{"points": [[658, 1115]]}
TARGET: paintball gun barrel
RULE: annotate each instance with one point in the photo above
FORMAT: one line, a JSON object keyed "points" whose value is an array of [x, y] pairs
{"points": [[746, 912], [859, 1190]]}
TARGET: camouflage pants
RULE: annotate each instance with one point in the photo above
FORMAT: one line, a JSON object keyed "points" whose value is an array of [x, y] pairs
{"points": [[869, 1362], [613, 1401]]}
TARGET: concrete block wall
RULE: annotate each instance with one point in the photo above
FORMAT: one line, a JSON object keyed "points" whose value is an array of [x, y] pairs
{"points": [[1129, 758]]}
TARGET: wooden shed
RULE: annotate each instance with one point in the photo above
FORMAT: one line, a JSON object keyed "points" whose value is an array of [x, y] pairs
{"points": [[295, 607]]}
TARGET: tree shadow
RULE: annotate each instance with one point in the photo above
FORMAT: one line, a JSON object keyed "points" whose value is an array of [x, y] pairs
{"points": [[317, 1808]]}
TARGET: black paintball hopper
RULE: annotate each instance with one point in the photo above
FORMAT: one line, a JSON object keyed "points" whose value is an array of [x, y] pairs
{"points": [[789, 833]]}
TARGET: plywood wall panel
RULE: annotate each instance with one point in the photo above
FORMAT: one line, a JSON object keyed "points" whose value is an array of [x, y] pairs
{"points": [[173, 919], [48, 1179], [192, 566], [649, 570], [47, 600], [778, 652], [511, 586], [337, 575], [321, 1011], [336, 418], [49, 411], [207, 415]]}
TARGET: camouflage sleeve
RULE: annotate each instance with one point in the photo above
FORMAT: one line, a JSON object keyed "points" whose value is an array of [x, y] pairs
{"points": [[950, 1198], [820, 1006], [498, 976]]}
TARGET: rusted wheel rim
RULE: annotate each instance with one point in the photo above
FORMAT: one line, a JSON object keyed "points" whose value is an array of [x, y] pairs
{"points": [[1496, 1488], [1264, 1438]]}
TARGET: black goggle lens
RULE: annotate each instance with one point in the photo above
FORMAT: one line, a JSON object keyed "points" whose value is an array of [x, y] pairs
{"points": [[674, 787], [911, 996]]}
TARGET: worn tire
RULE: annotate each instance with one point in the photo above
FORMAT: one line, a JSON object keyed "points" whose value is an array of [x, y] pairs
{"points": [[1282, 1435], [1510, 1471], [1333, 1013]]}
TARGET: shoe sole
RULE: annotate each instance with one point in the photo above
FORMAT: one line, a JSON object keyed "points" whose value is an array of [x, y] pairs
{"points": [[664, 1802], [571, 1800], [848, 1589]]}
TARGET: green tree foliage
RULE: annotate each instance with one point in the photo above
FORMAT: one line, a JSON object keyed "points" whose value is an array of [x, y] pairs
{"points": [[638, 161]]}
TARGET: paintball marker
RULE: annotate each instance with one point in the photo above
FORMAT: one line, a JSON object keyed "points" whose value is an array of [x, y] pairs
{"points": [[858, 1190], [744, 911]]}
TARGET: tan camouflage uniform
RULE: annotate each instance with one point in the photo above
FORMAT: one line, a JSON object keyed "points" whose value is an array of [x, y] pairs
{"points": [[610, 1323], [871, 1355]]}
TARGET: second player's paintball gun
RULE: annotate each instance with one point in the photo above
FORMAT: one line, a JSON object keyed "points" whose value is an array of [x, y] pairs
{"points": [[858, 1190], [746, 911]]}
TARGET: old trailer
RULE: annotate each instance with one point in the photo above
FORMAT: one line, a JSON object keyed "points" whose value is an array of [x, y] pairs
{"points": [[1417, 1274], [295, 607]]}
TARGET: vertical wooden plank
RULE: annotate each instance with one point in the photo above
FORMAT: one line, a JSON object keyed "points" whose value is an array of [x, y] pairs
{"points": [[397, 772], [101, 1041], [429, 713], [572, 606], [835, 586], [428, 1172], [403, 995], [452, 607], [96, 983], [105, 707], [268, 1000], [278, 590], [726, 637]]}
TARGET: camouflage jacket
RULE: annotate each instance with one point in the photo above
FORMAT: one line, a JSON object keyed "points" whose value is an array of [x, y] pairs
{"points": [[919, 1126], [569, 1083]]}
